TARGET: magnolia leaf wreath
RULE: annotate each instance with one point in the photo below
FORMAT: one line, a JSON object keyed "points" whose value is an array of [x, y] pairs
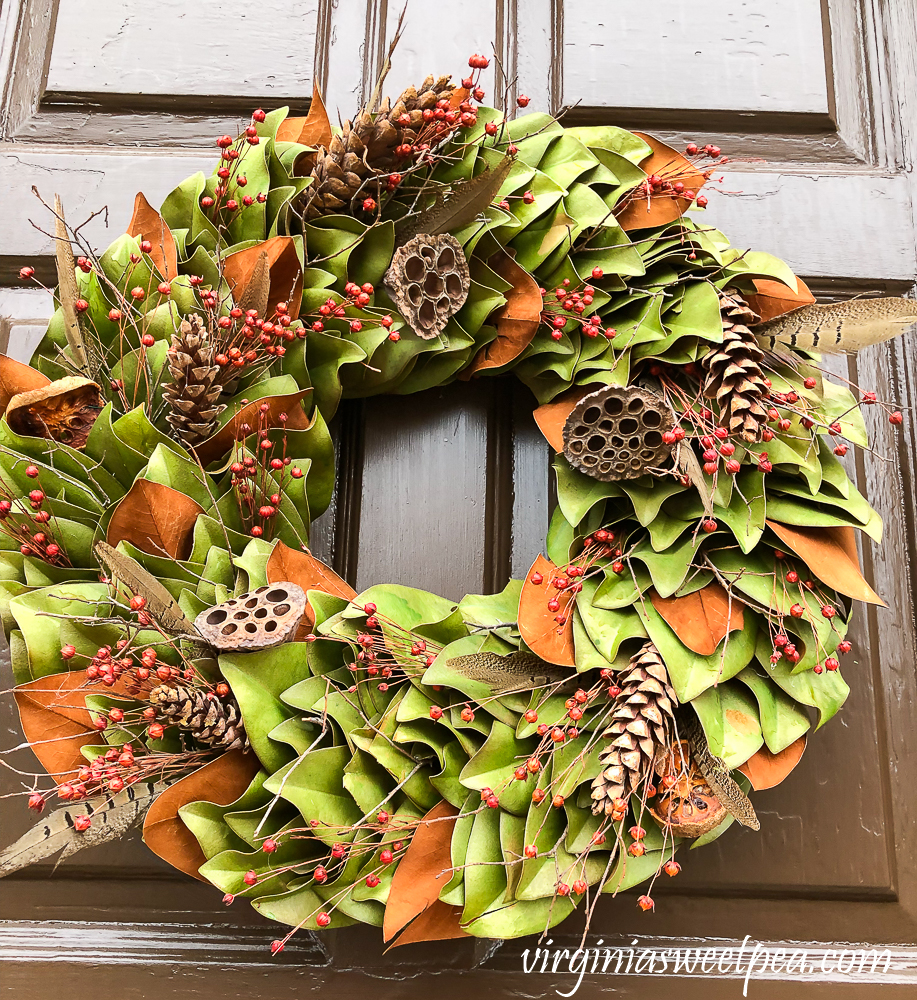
{"points": [[390, 757]]}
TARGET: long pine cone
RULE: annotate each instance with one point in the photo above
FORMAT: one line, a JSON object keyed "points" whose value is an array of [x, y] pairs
{"points": [[641, 725], [734, 376], [366, 147], [211, 720], [196, 385]]}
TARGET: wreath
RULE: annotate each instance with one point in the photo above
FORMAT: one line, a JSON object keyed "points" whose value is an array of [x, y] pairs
{"points": [[483, 768]]}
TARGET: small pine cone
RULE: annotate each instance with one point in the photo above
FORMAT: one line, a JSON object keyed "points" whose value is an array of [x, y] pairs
{"points": [[211, 720], [734, 376], [642, 724], [196, 385], [366, 148]]}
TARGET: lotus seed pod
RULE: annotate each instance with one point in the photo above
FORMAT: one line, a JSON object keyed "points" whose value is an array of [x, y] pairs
{"points": [[429, 282], [263, 618]]}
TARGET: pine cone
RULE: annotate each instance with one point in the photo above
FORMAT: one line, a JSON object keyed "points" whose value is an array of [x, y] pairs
{"points": [[642, 724], [195, 387], [209, 720], [367, 147], [734, 376]]}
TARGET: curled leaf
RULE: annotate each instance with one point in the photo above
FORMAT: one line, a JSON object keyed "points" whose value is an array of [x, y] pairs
{"points": [[56, 722], [289, 403], [303, 569], [538, 625], [63, 411], [16, 378], [703, 618], [552, 416], [284, 267], [765, 769], [313, 130], [830, 554], [642, 210], [423, 871], [439, 922], [155, 518], [221, 781], [774, 298], [516, 322], [148, 224]]}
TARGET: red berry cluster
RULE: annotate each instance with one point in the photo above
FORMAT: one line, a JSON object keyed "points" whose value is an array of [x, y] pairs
{"points": [[19, 515], [571, 305], [228, 197]]}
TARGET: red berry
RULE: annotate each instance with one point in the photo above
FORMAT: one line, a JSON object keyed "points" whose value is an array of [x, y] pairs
{"points": [[369, 204], [530, 716], [563, 889], [155, 731], [68, 652], [671, 868], [797, 611], [467, 714], [896, 418], [320, 874], [827, 611], [436, 713], [269, 846], [523, 101], [531, 851], [26, 273], [386, 857], [831, 663], [276, 947], [81, 305], [792, 576], [558, 801], [82, 823], [844, 647], [36, 802], [645, 903], [323, 919]]}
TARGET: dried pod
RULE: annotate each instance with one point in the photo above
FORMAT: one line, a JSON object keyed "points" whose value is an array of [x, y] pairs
{"points": [[429, 282], [689, 808], [64, 411], [616, 433], [260, 619]]}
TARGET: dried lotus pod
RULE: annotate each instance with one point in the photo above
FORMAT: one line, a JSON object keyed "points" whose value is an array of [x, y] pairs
{"points": [[689, 808], [429, 281], [260, 619], [64, 411], [616, 433]]}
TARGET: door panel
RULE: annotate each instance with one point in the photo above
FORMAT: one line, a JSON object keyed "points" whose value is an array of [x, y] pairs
{"points": [[449, 490]]}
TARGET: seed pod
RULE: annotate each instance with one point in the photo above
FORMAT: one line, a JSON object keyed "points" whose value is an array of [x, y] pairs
{"points": [[429, 282], [616, 433], [260, 619], [64, 411], [689, 808]]}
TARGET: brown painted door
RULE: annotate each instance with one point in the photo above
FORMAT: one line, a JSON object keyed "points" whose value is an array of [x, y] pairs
{"points": [[816, 102]]}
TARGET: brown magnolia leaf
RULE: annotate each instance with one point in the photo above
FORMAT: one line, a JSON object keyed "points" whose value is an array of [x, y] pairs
{"points": [[285, 271], [156, 519], [516, 322], [540, 631], [16, 378], [831, 555], [148, 224], [286, 565], [765, 769], [289, 403], [552, 416], [63, 411], [439, 922], [221, 781], [419, 878], [773, 298], [313, 130], [640, 210], [56, 722], [702, 619]]}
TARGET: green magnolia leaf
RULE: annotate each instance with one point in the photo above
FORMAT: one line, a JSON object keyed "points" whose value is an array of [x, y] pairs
{"points": [[782, 719], [729, 715]]}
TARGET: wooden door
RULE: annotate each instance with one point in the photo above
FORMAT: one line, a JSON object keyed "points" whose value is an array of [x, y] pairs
{"points": [[815, 101]]}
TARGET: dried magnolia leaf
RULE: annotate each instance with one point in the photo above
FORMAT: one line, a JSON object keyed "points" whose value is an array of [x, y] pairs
{"points": [[63, 411], [257, 291], [429, 281], [516, 322], [552, 416], [701, 620], [260, 619], [514, 672], [466, 202], [155, 518], [313, 130], [56, 722], [642, 210], [284, 268], [839, 326], [439, 922], [221, 782], [617, 433], [148, 224], [688, 807], [110, 816], [17, 378], [423, 871], [831, 555], [160, 604], [773, 298], [541, 631], [68, 290], [290, 403], [309, 573], [765, 769]]}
